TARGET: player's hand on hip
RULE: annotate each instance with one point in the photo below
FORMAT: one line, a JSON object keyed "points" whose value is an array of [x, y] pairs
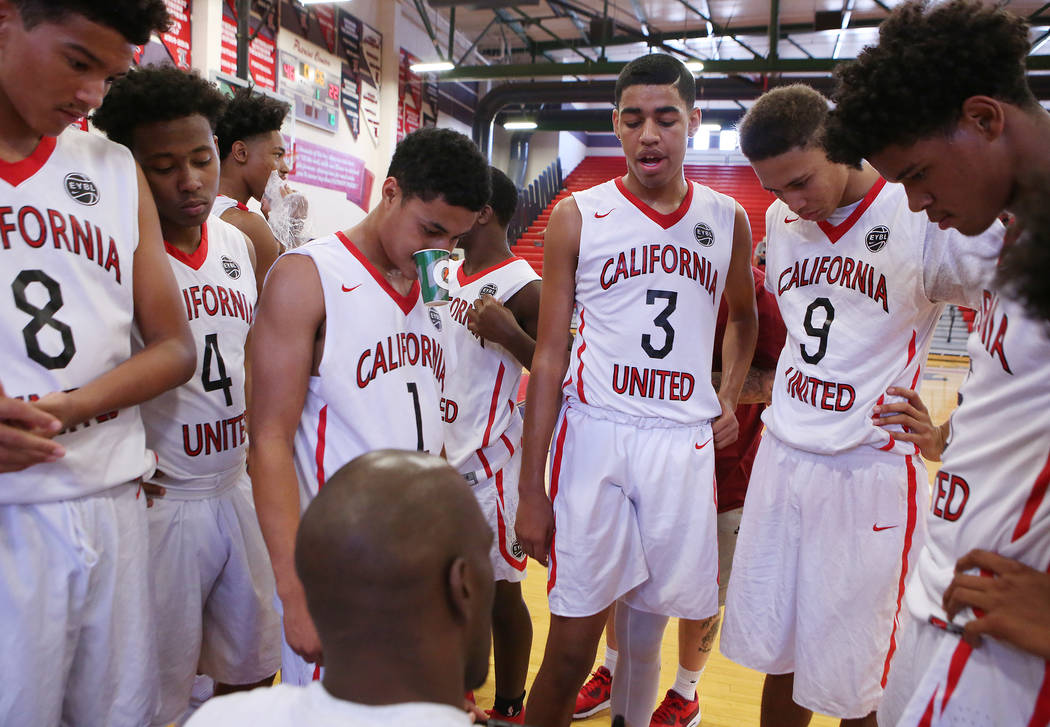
{"points": [[491, 320], [1012, 603], [534, 525], [725, 429], [299, 629], [915, 418], [25, 435]]}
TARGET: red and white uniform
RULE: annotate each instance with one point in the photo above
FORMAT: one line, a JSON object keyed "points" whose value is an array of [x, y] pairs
{"points": [[73, 584], [380, 380], [990, 493], [860, 296], [223, 203], [211, 577], [483, 434], [633, 515]]}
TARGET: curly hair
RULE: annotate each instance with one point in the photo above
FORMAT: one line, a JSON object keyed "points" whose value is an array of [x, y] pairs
{"points": [[248, 114], [134, 19], [152, 94], [929, 60], [432, 162], [783, 119], [1024, 266], [657, 69], [504, 199]]}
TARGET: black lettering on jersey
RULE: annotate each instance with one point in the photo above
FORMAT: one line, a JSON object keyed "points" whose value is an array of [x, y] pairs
{"points": [[59, 231], [656, 259], [401, 349], [826, 395], [950, 495], [993, 329], [836, 270], [81, 188]]}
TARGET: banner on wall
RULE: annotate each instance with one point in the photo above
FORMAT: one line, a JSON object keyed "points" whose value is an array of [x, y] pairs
{"points": [[324, 167], [262, 53], [350, 100], [350, 49], [370, 75], [416, 100], [173, 46]]}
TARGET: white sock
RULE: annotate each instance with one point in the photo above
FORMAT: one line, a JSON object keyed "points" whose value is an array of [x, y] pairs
{"points": [[610, 659], [685, 682]]}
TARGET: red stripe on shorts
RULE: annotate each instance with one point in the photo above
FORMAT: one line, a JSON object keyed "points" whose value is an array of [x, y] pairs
{"points": [[493, 404], [1035, 499], [955, 670], [909, 531], [501, 528], [1041, 713], [559, 445], [322, 423]]}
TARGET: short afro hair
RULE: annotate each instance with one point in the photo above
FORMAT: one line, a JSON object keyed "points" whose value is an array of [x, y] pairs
{"points": [[432, 162], [929, 60], [783, 119], [249, 113], [504, 199], [657, 69], [152, 94], [134, 19]]}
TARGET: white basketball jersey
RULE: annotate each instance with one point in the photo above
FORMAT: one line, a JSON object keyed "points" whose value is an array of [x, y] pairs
{"points": [[647, 292], [68, 233], [860, 301], [198, 430], [382, 369], [991, 490], [223, 203], [482, 418]]}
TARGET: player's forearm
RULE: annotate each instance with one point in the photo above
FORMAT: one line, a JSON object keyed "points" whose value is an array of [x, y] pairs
{"points": [[276, 492], [523, 347], [757, 388], [738, 347]]}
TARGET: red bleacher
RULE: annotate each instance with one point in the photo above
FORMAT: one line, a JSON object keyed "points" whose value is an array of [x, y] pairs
{"points": [[738, 182]]}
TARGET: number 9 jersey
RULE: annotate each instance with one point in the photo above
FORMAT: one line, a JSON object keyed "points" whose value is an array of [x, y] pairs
{"points": [[68, 234], [648, 287], [860, 300]]}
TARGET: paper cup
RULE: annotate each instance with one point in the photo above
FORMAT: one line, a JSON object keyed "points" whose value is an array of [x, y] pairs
{"points": [[432, 271]]}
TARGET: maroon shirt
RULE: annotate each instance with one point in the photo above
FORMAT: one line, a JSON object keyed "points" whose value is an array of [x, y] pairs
{"points": [[733, 463]]}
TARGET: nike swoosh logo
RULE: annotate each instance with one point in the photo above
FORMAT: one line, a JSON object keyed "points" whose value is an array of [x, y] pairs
{"points": [[598, 216], [793, 219], [701, 446], [876, 527], [350, 290]]}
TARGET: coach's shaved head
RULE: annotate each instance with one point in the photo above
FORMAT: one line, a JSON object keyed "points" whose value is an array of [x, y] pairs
{"points": [[393, 555]]}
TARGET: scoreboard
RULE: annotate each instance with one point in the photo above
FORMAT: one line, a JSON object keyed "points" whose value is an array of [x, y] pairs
{"points": [[315, 91]]}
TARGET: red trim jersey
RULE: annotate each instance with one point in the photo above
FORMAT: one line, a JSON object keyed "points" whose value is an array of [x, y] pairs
{"points": [[68, 234], [991, 489], [484, 425], [382, 369], [223, 203], [861, 301], [647, 292], [199, 429]]}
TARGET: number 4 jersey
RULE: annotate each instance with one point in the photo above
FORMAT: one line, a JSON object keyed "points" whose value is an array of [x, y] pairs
{"points": [[647, 292], [68, 233], [860, 300], [198, 429]]}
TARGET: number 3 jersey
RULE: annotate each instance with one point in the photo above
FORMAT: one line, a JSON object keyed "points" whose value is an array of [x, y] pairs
{"points": [[860, 301], [68, 234], [198, 430], [382, 369], [648, 287]]}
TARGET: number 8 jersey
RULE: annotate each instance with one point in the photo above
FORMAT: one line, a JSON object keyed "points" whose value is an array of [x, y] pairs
{"points": [[860, 300], [648, 287], [68, 234]]}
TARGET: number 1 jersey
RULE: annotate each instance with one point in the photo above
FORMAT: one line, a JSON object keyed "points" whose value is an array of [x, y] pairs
{"points": [[860, 301], [648, 287]]}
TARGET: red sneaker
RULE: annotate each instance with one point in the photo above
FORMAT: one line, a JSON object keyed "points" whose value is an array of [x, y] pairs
{"points": [[676, 711], [517, 718], [594, 696]]}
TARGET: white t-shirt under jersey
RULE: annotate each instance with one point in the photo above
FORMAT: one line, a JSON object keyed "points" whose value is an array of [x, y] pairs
{"points": [[860, 300], [648, 287], [312, 706]]}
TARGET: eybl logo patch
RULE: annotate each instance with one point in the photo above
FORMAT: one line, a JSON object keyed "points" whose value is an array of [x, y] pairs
{"points": [[231, 267], [489, 289], [81, 188], [876, 238], [435, 318], [703, 234]]}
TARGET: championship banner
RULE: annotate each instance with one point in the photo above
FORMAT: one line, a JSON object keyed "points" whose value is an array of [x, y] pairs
{"points": [[417, 99], [262, 53], [322, 166], [325, 17], [350, 99], [369, 76], [173, 46]]}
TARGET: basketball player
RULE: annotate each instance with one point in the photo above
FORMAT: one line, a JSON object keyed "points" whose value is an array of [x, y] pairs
{"points": [[250, 149], [495, 301], [345, 358], [976, 144], [212, 587], [393, 554], [860, 281], [644, 258], [680, 706], [82, 262]]}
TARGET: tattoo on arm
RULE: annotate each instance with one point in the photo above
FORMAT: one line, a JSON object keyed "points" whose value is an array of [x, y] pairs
{"points": [[758, 385]]}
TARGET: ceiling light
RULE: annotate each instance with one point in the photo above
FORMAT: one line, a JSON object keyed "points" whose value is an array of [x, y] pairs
{"points": [[695, 66], [433, 67], [519, 125]]}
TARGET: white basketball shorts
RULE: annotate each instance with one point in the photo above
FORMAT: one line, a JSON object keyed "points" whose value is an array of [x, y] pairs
{"points": [[634, 515], [498, 498], [826, 543], [212, 591], [76, 646]]}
